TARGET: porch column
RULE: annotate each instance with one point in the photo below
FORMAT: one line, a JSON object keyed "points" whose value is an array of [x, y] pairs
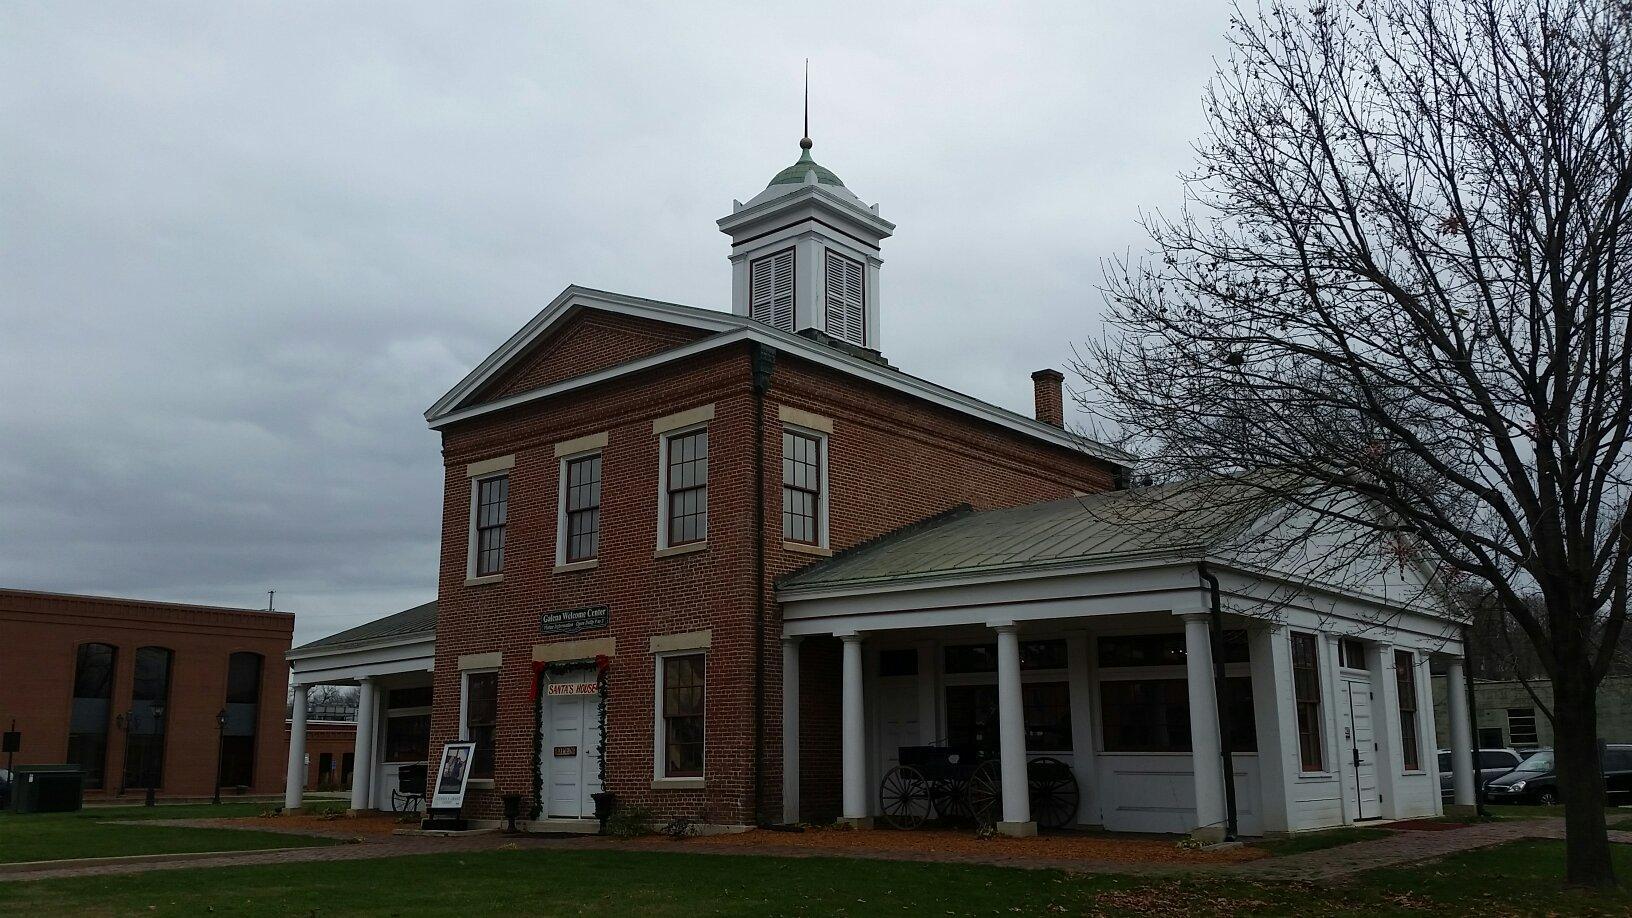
{"points": [[1204, 741], [855, 736], [294, 781], [1461, 732], [362, 766], [790, 730], [1011, 735]]}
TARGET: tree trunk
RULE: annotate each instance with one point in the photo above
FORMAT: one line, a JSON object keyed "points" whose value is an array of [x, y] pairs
{"points": [[1581, 778]]}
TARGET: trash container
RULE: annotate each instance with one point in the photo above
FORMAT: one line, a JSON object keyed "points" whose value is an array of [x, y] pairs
{"points": [[47, 788]]}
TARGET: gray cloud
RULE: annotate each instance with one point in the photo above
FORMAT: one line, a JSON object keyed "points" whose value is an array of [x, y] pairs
{"points": [[243, 246]]}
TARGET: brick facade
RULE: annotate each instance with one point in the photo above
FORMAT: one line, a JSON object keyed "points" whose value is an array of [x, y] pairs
{"points": [[43, 631], [893, 460]]}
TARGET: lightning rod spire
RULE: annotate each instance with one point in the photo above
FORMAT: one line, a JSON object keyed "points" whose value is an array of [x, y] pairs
{"points": [[804, 142]]}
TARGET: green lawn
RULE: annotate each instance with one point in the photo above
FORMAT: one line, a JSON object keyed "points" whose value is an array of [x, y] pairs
{"points": [[1315, 841], [51, 836], [1517, 879]]}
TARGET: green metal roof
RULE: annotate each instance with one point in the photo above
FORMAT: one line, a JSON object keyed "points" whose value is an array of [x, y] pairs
{"points": [[420, 621], [1162, 520], [795, 174]]}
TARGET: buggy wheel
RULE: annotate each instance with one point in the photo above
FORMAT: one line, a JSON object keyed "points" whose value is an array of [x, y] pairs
{"points": [[983, 794], [903, 797], [1053, 792]]}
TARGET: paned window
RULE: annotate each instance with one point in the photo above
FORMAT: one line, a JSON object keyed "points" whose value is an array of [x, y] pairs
{"points": [[982, 658], [686, 482], [481, 719], [492, 502], [583, 505], [846, 304], [972, 718], [1153, 715], [770, 290], [801, 487], [1521, 726], [88, 718], [1306, 691], [243, 713], [1351, 653], [1405, 679], [145, 721], [683, 716]]}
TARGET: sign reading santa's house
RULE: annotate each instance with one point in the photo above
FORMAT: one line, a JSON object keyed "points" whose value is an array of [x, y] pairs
{"points": [[572, 621]]}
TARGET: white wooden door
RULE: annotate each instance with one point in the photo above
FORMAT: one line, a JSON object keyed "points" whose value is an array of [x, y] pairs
{"points": [[1360, 751], [570, 757], [897, 719]]}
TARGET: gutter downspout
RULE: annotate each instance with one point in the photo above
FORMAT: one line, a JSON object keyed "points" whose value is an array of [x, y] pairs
{"points": [[1226, 753], [762, 361]]}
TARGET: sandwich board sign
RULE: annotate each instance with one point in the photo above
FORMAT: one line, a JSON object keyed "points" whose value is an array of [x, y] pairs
{"points": [[452, 775]]}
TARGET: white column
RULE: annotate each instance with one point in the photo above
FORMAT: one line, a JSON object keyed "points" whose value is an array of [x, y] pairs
{"points": [[1276, 720], [1080, 686], [1456, 700], [1011, 735], [790, 730], [1386, 729], [855, 735], [1204, 741], [295, 779], [362, 768]]}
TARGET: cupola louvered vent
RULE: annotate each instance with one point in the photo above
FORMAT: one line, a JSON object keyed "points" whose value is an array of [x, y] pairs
{"points": [[771, 290], [846, 306]]}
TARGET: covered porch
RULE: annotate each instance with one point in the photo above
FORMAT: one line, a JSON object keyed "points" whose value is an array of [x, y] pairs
{"points": [[1321, 702], [390, 661]]}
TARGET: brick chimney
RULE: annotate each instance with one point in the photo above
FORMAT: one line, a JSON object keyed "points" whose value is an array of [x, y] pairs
{"points": [[1050, 397]]}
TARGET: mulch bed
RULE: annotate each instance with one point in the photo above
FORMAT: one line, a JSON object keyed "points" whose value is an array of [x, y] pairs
{"points": [[964, 844]]}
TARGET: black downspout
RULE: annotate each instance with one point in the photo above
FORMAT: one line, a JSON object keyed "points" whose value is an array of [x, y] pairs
{"points": [[763, 360], [1220, 700], [1473, 724]]}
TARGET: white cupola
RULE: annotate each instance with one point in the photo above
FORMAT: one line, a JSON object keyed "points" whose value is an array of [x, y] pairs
{"points": [[805, 256]]}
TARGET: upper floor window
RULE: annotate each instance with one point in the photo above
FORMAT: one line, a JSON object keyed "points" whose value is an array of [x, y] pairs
{"points": [[846, 304], [770, 290], [581, 508], [492, 502], [802, 488], [685, 486]]}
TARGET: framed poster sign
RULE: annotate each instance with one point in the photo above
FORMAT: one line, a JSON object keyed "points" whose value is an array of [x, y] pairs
{"points": [[448, 793]]}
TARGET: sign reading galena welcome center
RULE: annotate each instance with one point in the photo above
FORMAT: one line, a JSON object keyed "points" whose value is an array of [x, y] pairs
{"points": [[572, 621]]}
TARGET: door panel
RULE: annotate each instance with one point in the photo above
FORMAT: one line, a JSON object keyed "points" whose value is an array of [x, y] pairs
{"points": [[566, 771], [1360, 751]]}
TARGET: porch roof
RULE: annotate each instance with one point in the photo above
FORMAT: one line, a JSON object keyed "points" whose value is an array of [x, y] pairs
{"points": [[418, 622], [1147, 522]]}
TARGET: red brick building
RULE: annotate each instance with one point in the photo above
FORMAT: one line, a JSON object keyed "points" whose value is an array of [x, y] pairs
{"points": [[627, 479], [146, 693]]}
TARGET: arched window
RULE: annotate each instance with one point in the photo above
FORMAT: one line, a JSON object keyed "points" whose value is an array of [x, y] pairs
{"points": [[88, 718], [145, 721], [243, 713]]}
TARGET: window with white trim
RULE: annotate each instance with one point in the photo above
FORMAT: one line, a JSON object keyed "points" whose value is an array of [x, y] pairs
{"points": [[681, 703], [1306, 698], [685, 487], [580, 528], [846, 303], [479, 717], [489, 508], [1405, 683], [803, 493], [770, 290]]}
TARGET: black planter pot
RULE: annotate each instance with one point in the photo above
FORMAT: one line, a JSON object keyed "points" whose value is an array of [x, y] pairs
{"points": [[605, 803], [512, 810]]}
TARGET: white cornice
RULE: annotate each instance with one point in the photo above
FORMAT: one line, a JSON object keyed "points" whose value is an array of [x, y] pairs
{"points": [[728, 329]]}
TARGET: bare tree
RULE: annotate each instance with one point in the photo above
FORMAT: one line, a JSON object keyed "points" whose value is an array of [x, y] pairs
{"points": [[1399, 276]]}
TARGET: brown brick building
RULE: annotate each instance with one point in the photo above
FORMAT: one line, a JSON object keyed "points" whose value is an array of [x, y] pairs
{"points": [[711, 453], [132, 691]]}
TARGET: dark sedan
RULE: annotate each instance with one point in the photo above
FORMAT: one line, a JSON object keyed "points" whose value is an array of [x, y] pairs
{"points": [[1536, 778]]}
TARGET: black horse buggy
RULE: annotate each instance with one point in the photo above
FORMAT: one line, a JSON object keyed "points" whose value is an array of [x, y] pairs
{"points": [[960, 784]]}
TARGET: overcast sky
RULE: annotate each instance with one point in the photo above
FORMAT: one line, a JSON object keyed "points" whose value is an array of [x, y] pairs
{"points": [[244, 246]]}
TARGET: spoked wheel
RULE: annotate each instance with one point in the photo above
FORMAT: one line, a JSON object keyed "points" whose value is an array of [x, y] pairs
{"points": [[1053, 791], [983, 794], [903, 797]]}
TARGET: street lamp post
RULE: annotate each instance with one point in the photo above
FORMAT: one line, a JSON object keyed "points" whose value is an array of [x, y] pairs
{"points": [[220, 750]]}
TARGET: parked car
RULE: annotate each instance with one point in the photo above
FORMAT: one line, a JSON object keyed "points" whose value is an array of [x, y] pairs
{"points": [[1490, 763], [1536, 778]]}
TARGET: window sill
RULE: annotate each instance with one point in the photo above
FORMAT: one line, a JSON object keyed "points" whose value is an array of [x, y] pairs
{"points": [[571, 566], [480, 783], [804, 549], [483, 581], [677, 784], [685, 549]]}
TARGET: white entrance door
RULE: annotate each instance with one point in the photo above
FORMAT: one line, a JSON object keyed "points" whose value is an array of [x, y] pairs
{"points": [[1360, 751], [571, 753], [897, 719]]}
